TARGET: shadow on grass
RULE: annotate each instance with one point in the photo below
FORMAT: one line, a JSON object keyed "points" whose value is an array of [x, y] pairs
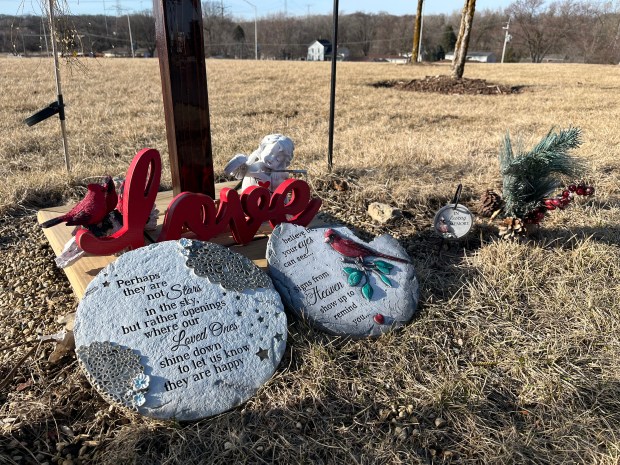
{"points": [[562, 238]]}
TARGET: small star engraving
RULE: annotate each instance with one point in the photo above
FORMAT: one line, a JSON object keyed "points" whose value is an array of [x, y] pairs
{"points": [[278, 337], [263, 354], [106, 283], [239, 313], [261, 319]]}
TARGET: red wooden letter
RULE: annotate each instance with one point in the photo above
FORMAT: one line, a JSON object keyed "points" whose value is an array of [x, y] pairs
{"points": [[300, 206], [194, 211], [139, 195]]}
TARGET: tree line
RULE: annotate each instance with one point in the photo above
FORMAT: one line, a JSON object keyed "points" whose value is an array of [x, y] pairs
{"points": [[582, 31]]}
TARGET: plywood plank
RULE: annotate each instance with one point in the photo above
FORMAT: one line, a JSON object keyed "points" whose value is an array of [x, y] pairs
{"points": [[86, 268], [83, 270]]}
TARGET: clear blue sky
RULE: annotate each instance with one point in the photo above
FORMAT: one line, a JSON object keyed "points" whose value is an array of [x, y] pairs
{"points": [[240, 9]]}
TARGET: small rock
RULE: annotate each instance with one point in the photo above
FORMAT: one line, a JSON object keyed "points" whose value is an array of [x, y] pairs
{"points": [[340, 185], [440, 422], [67, 431], [383, 213], [228, 445], [298, 425]]}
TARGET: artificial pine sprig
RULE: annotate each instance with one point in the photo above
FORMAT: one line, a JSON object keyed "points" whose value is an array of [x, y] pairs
{"points": [[530, 177]]}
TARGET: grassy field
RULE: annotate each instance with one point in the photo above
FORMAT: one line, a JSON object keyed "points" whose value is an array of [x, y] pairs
{"points": [[514, 356]]}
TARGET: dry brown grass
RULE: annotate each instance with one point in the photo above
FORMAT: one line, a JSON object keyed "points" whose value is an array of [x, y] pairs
{"points": [[514, 356]]}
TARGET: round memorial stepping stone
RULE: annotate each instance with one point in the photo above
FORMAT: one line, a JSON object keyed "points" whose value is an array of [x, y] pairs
{"points": [[340, 283], [180, 330]]}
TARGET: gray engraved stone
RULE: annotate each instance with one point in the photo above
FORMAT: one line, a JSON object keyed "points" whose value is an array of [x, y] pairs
{"points": [[180, 330], [340, 283]]}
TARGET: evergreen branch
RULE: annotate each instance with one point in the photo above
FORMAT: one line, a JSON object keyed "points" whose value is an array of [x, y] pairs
{"points": [[530, 177], [506, 155]]}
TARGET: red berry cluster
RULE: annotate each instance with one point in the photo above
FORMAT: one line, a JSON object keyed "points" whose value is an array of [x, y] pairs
{"points": [[561, 202], [535, 216], [581, 189]]}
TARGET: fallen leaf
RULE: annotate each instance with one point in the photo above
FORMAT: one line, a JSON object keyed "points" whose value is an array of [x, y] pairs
{"points": [[22, 386], [63, 347]]}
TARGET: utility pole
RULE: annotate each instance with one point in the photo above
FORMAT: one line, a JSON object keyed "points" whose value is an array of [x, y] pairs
{"points": [[119, 11], [105, 19], [133, 54], [507, 38]]}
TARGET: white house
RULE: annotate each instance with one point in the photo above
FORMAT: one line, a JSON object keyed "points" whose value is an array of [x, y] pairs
{"points": [[319, 50], [481, 57]]}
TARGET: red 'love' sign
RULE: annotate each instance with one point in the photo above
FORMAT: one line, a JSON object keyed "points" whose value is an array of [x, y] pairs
{"points": [[290, 203]]}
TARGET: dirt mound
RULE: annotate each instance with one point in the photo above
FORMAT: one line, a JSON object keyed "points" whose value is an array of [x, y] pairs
{"points": [[447, 85]]}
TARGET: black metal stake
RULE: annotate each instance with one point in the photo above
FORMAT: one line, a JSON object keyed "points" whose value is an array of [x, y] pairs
{"points": [[457, 195], [332, 96]]}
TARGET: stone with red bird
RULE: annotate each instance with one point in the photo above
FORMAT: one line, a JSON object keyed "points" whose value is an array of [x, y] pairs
{"points": [[340, 283]]}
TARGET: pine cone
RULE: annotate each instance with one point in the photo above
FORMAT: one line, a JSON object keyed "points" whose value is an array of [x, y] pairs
{"points": [[512, 228], [490, 202]]}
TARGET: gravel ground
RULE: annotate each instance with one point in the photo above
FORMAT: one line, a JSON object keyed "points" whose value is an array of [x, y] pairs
{"points": [[50, 413]]}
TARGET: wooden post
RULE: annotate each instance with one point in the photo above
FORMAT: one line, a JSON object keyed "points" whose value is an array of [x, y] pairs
{"points": [[180, 46]]}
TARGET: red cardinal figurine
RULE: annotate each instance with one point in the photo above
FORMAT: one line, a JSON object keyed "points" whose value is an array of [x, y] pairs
{"points": [[353, 249], [91, 209]]}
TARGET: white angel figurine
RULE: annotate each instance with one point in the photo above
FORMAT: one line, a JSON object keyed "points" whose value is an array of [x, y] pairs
{"points": [[267, 166]]}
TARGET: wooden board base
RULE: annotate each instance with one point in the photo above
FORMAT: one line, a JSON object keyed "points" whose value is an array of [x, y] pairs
{"points": [[86, 268]]}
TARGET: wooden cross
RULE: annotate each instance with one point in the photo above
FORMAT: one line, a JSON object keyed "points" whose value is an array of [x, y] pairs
{"points": [[180, 46]]}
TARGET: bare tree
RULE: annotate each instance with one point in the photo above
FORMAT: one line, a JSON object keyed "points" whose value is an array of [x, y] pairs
{"points": [[218, 27], [359, 30], [594, 29], [143, 27], [417, 28], [541, 27], [462, 41]]}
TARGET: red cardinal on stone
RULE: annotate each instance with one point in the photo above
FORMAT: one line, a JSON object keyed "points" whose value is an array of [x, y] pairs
{"points": [[353, 249], [92, 209]]}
